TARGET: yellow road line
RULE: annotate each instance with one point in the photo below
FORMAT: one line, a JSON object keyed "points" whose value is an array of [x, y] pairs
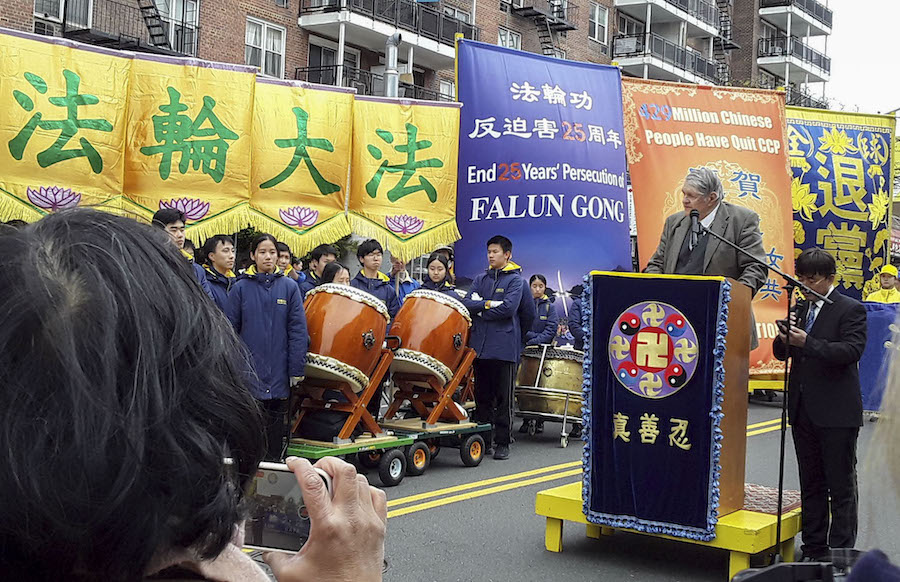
{"points": [[481, 493], [763, 423], [764, 430], [475, 484]]}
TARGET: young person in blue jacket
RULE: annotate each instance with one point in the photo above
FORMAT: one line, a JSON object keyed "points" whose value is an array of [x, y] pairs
{"points": [[266, 310], [402, 283], [218, 251], [320, 256], [544, 328], [439, 277], [172, 221], [575, 325], [335, 273], [494, 301], [370, 279]]}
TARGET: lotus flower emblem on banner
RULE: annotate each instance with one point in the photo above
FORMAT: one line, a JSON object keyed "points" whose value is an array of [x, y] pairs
{"points": [[53, 198], [404, 224], [193, 208], [299, 216]]}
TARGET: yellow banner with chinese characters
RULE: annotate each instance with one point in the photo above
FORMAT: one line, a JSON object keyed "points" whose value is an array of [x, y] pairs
{"points": [[62, 124], [841, 191], [403, 184], [301, 154], [189, 141]]}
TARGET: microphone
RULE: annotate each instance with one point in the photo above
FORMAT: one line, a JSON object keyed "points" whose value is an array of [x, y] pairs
{"points": [[695, 227]]}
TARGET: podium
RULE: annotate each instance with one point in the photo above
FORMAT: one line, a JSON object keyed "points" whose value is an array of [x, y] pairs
{"points": [[666, 374]]}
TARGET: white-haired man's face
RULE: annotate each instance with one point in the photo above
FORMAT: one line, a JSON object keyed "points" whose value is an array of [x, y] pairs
{"points": [[693, 199]]}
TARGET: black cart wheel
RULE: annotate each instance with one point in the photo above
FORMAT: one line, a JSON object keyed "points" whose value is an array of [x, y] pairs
{"points": [[418, 457], [435, 449], [392, 467], [472, 450], [369, 459]]}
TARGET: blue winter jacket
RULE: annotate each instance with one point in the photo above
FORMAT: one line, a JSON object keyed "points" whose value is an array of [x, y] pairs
{"points": [[219, 285], [198, 273], [266, 310], [405, 287], [308, 283], [545, 326], [380, 288], [445, 287], [575, 325], [496, 331]]}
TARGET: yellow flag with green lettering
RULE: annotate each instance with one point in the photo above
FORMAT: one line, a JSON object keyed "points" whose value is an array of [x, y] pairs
{"points": [[301, 154], [403, 184], [62, 124], [189, 141]]}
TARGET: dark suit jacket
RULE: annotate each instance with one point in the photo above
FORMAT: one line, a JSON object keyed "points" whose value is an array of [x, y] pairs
{"points": [[825, 373], [735, 223]]}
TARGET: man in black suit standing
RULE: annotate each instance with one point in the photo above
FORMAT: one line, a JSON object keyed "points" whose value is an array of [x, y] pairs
{"points": [[825, 405]]}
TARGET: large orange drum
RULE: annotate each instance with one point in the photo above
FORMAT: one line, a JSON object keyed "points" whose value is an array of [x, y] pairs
{"points": [[434, 330], [346, 331]]}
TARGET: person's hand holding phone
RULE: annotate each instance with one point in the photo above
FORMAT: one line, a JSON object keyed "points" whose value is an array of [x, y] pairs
{"points": [[347, 528]]}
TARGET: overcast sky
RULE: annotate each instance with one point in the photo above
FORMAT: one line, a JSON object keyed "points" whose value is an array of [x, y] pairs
{"points": [[863, 49]]}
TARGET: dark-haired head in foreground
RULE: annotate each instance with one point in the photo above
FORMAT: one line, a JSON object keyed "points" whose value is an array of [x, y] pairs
{"points": [[120, 397]]}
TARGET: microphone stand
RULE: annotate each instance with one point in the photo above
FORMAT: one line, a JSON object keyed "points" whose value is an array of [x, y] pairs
{"points": [[790, 284]]}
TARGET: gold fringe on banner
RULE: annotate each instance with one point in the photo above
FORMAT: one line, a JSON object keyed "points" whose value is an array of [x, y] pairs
{"points": [[301, 242], [420, 244], [226, 222], [14, 208]]}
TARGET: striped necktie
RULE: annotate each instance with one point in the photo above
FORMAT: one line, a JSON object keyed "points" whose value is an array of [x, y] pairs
{"points": [[811, 317]]}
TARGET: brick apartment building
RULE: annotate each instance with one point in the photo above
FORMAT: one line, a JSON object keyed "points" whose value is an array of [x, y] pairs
{"points": [[766, 43]]}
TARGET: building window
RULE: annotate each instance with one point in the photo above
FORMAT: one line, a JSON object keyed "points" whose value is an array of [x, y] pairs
{"points": [[281, 3], [598, 23], [447, 90], [768, 31], [264, 47], [78, 14], [629, 26], [456, 13], [559, 53], [509, 39]]}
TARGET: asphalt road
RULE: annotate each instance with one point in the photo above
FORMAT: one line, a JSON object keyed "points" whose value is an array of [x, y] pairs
{"points": [[478, 524]]}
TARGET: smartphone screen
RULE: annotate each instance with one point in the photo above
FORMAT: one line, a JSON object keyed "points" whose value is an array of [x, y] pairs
{"points": [[277, 518]]}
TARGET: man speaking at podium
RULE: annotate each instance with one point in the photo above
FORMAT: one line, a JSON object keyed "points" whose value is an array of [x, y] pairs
{"points": [[685, 250]]}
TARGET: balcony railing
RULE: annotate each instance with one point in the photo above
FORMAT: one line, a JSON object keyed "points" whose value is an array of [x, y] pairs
{"points": [[818, 11], [801, 98], [781, 46], [632, 45], [404, 14], [705, 11], [561, 14], [121, 26], [365, 82]]}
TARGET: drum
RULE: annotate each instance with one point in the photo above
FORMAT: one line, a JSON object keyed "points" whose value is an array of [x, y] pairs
{"points": [[433, 329], [561, 376], [347, 328]]}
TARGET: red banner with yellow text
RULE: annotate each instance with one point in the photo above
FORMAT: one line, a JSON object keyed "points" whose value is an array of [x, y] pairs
{"points": [[740, 133]]}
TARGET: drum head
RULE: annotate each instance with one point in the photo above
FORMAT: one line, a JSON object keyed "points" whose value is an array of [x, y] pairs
{"points": [[351, 293], [326, 368], [413, 362], [443, 299], [553, 354]]}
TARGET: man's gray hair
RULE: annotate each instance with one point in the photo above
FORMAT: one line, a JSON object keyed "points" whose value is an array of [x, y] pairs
{"points": [[705, 181]]}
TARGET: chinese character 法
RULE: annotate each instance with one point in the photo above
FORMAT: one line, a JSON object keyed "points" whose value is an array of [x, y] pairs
{"points": [[525, 92], [406, 169], [67, 127]]}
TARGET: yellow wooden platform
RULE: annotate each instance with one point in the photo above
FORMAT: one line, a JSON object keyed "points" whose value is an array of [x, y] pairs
{"points": [[418, 425], [364, 439], [743, 533]]}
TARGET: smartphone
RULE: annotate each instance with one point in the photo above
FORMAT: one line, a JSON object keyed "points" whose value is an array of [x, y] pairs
{"points": [[277, 518]]}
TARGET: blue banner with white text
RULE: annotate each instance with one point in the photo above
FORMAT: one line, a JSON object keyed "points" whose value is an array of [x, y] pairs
{"points": [[542, 162]]}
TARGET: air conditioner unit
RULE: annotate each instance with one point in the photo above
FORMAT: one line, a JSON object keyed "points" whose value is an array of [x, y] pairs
{"points": [[46, 28]]}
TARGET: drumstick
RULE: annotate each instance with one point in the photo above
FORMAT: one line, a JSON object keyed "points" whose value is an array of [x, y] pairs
{"points": [[562, 293]]}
